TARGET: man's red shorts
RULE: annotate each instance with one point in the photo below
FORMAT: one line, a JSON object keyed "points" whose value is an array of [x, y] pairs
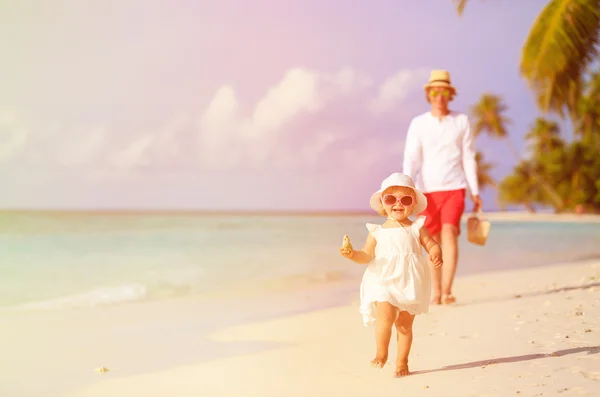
{"points": [[444, 208]]}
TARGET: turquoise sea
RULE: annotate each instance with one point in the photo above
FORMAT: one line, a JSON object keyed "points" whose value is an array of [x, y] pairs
{"points": [[76, 260]]}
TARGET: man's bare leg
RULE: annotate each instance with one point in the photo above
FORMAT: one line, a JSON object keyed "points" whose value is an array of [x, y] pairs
{"points": [[436, 277], [450, 256]]}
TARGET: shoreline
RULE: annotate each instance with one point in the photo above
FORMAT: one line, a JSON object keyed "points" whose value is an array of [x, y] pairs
{"points": [[156, 347], [299, 284], [528, 332]]}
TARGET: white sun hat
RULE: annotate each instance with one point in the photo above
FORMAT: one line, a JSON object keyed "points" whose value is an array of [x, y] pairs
{"points": [[398, 179]]}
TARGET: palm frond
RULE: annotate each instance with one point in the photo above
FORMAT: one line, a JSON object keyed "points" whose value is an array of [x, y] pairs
{"points": [[489, 117], [460, 6], [561, 43], [484, 178], [587, 116], [593, 87]]}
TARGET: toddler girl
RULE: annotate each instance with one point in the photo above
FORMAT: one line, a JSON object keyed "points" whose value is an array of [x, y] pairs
{"points": [[396, 284]]}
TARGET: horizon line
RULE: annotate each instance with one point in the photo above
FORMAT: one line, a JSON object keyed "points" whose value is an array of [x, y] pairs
{"points": [[190, 211], [183, 211]]}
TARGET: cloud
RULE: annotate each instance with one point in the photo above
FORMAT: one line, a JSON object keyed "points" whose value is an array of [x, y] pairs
{"points": [[308, 120], [149, 150], [219, 128], [299, 91], [13, 134], [396, 88], [229, 138], [83, 147], [134, 155]]}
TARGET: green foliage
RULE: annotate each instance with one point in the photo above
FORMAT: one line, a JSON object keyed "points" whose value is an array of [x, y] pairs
{"points": [[521, 187], [489, 116], [460, 6], [544, 136], [572, 170], [484, 179], [562, 43]]}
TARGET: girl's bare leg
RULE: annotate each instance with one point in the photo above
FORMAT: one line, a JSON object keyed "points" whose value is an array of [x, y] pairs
{"points": [[386, 315], [404, 325]]}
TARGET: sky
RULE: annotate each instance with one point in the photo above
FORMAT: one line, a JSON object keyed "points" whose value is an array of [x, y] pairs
{"points": [[296, 105]]}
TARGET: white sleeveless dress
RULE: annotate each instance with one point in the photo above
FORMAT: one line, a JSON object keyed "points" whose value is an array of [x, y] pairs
{"points": [[399, 273]]}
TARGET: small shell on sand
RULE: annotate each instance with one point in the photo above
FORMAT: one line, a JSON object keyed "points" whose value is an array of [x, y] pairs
{"points": [[102, 369]]}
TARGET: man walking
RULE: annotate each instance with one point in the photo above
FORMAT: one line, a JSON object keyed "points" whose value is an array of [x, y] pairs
{"points": [[440, 147]]}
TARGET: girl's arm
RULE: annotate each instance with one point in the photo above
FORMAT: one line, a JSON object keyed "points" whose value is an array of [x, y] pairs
{"points": [[433, 249], [428, 242], [367, 253]]}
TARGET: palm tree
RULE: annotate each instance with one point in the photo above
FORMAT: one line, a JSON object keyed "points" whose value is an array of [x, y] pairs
{"points": [[489, 117], [545, 136], [587, 123], [521, 187], [460, 6], [562, 43], [581, 176], [484, 179], [576, 158]]}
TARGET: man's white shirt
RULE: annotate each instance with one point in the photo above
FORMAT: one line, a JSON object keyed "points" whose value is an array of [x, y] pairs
{"points": [[442, 153]]}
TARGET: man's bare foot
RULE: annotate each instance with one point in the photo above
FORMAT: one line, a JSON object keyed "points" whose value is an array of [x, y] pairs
{"points": [[379, 361], [401, 369], [448, 299]]}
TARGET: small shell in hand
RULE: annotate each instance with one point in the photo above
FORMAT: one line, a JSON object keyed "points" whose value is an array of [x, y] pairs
{"points": [[346, 244]]}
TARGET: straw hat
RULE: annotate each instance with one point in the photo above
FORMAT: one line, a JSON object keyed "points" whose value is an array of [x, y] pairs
{"points": [[398, 179], [440, 78]]}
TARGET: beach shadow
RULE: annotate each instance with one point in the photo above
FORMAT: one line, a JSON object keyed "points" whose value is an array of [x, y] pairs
{"points": [[530, 294], [513, 359]]}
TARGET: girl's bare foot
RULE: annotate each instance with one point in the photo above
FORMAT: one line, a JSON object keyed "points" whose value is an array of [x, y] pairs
{"points": [[436, 300], [379, 361], [401, 369]]}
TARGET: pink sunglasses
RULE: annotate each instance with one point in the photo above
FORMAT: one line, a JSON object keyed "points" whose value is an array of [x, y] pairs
{"points": [[390, 199]]}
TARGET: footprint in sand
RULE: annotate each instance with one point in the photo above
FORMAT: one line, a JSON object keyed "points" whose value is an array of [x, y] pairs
{"points": [[573, 390], [591, 375], [594, 357]]}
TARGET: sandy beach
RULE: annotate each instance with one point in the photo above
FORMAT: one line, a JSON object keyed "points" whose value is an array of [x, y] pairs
{"points": [[532, 332]]}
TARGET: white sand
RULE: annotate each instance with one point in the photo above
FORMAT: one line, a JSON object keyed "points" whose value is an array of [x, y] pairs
{"points": [[545, 342]]}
